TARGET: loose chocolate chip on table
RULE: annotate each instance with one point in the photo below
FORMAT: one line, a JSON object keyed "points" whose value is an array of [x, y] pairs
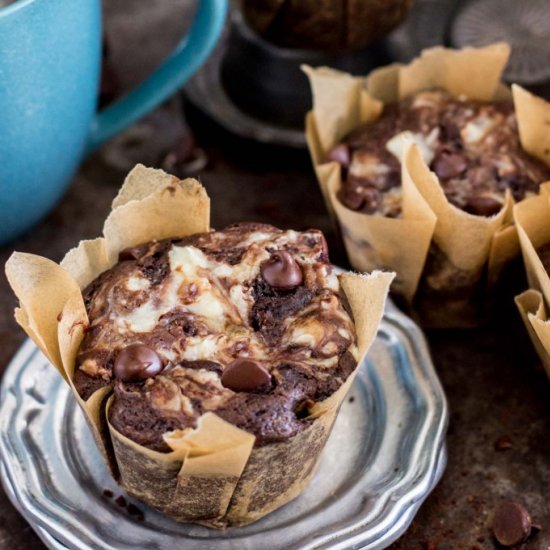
{"points": [[340, 154], [512, 524], [245, 375], [282, 271], [483, 206], [448, 164], [137, 362]]}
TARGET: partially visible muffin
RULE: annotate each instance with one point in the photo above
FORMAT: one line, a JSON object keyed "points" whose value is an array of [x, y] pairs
{"points": [[248, 322], [472, 146]]}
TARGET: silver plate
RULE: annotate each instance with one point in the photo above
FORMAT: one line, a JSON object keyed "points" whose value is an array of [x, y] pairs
{"points": [[385, 455]]}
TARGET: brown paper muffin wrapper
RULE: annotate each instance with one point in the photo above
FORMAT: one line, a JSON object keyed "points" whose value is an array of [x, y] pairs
{"points": [[213, 475], [532, 218], [445, 259]]}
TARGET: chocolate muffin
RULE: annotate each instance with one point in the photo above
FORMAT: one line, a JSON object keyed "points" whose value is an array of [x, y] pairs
{"points": [[472, 146], [248, 322]]}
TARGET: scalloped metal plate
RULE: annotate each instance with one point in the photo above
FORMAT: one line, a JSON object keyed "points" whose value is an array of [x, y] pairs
{"points": [[385, 455]]}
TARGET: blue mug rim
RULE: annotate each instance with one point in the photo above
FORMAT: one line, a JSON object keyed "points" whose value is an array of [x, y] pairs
{"points": [[15, 6]]}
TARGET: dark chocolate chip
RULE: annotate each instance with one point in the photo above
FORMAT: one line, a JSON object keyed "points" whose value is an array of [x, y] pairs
{"points": [[282, 271], [108, 493], [137, 362], [353, 200], [121, 501], [245, 375], [481, 205], [518, 184], [512, 524], [449, 131], [448, 164], [340, 154]]}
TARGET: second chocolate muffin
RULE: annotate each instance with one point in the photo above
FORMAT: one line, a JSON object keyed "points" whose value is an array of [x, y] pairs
{"points": [[248, 322]]}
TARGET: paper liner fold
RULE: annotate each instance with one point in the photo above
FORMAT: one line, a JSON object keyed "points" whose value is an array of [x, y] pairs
{"points": [[532, 218], [434, 245], [214, 475], [533, 312]]}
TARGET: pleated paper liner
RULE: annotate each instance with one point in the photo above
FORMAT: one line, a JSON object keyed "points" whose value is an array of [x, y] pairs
{"points": [[447, 261], [214, 475], [533, 223]]}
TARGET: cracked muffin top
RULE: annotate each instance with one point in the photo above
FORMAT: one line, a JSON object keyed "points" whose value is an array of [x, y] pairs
{"points": [[472, 146]]}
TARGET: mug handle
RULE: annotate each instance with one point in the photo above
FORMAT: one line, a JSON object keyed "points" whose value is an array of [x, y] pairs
{"points": [[182, 63]]}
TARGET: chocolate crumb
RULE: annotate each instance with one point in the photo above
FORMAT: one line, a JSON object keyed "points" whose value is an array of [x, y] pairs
{"points": [[59, 317], [107, 493], [429, 545], [351, 399], [121, 501], [503, 443], [133, 510]]}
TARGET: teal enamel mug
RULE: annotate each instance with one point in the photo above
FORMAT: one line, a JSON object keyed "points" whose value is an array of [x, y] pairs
{"points": [[50, 60]]}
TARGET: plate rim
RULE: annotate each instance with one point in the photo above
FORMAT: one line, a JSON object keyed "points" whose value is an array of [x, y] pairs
{"points": [[405, 511]]}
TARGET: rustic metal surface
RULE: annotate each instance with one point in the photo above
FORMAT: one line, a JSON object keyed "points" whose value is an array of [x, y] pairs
{"points": [[490, 375], [384, 456]]}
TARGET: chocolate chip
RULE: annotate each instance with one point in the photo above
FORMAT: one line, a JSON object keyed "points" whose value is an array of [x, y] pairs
{"points": [[137, 362], [108, 493], [449, 131], [353, 200], [282, 271], [340, 154], [448, 164], [518, 184], [481, 205], [245, 375], [121, 501], [512, 524]]}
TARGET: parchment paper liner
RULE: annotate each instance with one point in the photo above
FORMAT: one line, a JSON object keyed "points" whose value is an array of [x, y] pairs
{"points": [[213, 475], [533, 224], [475, 247]]}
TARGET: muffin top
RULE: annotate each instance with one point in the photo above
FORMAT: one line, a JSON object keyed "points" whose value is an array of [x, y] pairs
{"points": [[248, 322], [472, 146]]}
